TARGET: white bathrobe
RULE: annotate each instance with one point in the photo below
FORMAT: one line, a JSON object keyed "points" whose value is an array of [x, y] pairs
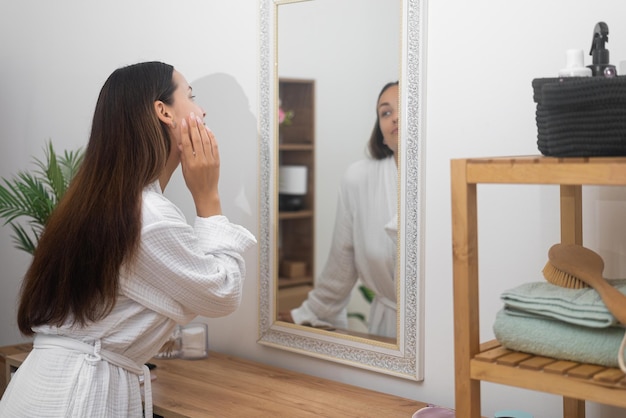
{"points": [[181, 272], [363, 246]]}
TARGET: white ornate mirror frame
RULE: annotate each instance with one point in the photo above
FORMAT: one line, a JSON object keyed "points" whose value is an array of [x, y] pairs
{"points": [[405, 358]]}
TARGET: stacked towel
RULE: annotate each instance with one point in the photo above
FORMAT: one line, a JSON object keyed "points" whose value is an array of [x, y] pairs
{"points": [[557, 339], [575, 306], [571, 324], [581, 117]]}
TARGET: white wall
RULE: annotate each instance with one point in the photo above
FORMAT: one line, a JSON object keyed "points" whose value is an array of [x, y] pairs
{"points": [[482, 56]]}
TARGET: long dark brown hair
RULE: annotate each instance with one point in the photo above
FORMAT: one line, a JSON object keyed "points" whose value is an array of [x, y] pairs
{"points": [[377, 149], [95, 229]]}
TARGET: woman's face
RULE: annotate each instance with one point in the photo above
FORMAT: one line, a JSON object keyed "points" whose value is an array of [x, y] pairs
{"points": [[184, 102], [388, 117], [182, 106], [172, 115]]}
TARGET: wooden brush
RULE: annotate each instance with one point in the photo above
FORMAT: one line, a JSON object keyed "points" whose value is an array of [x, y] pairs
{"points": [[574, 266]]}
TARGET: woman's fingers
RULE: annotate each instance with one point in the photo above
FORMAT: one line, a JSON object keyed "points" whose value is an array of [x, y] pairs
{"points": [[200, 165], [186, 150], [198, 143], [200, 139], [211, 147], [195, 135]]}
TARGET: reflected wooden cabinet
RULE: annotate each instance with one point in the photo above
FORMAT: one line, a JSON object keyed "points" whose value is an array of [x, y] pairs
{"points": [[475, 362], [296, 233]]}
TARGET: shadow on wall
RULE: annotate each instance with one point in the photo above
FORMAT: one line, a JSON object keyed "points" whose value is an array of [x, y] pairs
{"points": [[228, 115]]}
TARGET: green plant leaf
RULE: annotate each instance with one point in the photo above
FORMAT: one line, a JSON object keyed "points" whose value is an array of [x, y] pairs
{"points": [[22, 240], [357, 315], [34, 195], [25, 196], [70, 163], [54, 174], [367, 293]]}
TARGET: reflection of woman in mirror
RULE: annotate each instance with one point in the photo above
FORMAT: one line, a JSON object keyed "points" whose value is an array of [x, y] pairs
{"points": [[364, 238]]}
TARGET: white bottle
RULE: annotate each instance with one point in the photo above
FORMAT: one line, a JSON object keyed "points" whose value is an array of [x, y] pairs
{"points": [[575, 65]]}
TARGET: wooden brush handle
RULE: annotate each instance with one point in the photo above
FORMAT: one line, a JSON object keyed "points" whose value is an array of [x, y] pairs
{"points": [[614, 300], [586, 265]]}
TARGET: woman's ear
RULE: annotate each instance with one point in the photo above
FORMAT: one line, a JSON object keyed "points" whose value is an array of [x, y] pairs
{"points": [[163, 113]]}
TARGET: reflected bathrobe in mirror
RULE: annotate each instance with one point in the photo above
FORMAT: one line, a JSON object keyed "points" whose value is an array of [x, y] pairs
{"points": [[363, 246], [180, 272]]}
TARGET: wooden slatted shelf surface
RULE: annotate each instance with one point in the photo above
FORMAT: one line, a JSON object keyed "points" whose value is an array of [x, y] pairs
{"points": [[498, 364]]}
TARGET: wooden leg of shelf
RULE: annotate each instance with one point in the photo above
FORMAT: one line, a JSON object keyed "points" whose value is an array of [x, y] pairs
{"points": [[573, 408], [572, 233], [571, 215], [465, 283]]}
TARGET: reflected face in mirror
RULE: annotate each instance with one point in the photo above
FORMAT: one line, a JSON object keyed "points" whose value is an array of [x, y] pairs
{"points": [[388, 114], [363, 247]]}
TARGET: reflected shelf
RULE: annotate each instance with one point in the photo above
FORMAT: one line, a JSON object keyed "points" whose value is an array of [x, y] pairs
{"points": [[300, 214], [284, 282], [295, 147]]}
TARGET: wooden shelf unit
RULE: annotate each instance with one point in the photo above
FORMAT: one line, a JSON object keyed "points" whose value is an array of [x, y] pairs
{"points": [[489, 362], [296, 229]]}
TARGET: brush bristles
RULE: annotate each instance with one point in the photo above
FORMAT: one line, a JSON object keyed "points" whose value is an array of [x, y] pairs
{"points": [[561, 278]]}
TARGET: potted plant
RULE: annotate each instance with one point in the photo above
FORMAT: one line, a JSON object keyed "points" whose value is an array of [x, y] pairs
{"points": [[32, 196]]}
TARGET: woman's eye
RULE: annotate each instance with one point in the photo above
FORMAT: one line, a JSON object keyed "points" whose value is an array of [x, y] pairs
{"points": [[192, 97]]}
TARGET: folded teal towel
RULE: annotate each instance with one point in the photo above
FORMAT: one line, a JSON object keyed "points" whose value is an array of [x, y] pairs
{"points": [[575, 306], [560, 340]]}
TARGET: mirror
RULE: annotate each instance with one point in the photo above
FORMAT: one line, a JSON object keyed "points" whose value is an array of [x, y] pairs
{"points": [[294, 246], [331, 112]]}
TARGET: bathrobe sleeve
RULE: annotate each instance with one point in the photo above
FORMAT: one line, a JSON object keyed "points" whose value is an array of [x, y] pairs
{"points": [[361, 246], [182, 271], [326, 303]]}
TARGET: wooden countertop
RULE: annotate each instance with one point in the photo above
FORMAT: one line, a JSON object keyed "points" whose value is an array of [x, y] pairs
{"points": [[226, 386]]}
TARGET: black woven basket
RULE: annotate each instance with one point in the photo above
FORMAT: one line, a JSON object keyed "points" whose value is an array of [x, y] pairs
{"points": [[581, 116]]}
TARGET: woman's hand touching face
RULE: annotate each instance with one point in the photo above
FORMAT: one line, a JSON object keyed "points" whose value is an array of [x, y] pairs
{"points": [[194, 145], [200, 160]]}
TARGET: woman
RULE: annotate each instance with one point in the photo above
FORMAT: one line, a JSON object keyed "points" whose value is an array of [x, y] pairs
{"points": [[364, 238], [118, 267]]}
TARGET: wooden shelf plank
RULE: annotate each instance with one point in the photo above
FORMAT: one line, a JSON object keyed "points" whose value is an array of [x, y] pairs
{"points": [[560, 367], [547, 170], [585, 371], [300, 214], [284, 282], [513, 359], [536, 363], [296, 147], [492, 355], [557, 384], [609, 375]]}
